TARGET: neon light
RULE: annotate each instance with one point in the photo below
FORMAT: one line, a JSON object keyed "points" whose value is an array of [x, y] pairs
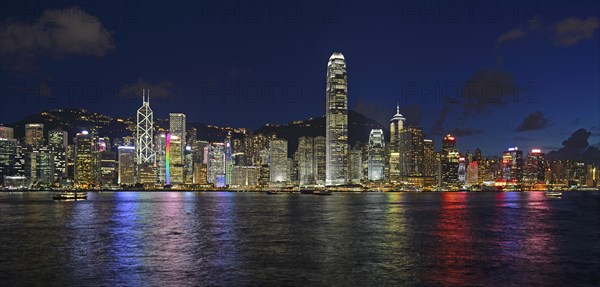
{"points": [[536, 151], [168, 160]]}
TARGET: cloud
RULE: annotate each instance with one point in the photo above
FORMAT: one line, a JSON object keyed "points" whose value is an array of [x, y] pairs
{"points": [[486, 89], [162, 90], [58, 33], [534, 121], [577, 148], [514, 34], [566, 32], [572, 30]]}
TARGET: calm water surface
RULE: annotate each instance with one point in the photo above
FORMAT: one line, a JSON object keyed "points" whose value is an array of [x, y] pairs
{"points": [[232, 239]]}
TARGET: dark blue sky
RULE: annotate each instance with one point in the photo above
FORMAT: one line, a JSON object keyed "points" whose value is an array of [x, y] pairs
{"points": [[250, 63]]}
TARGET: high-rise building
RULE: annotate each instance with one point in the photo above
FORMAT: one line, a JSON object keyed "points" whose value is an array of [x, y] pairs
{"points": [[449, 161], [85, 176], [473, 173], [174, 159], [535, 167], [145, 132], [396, 127], [228, 159], [411, 144], [7, 133], [376, 155], [429, 162], [108, 169], [512, 164], [126, 165], [58, 142], [336, 120], [355, 170], [8, 152], [216, 162], [278, 161], [311, 160], [462, 171], [161, 156], [177, 128], [34, 134]]}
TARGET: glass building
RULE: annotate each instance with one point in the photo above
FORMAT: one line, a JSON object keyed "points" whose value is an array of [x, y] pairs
{"points": [[376, 155], [336, 120]]}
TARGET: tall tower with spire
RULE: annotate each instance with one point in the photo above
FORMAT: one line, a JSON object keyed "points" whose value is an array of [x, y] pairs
{"points": [[145, 131], [395, 150], [336, 121]]}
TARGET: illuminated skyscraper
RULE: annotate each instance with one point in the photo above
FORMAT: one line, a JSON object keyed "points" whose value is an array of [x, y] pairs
{"points": [[174, 159], [396, 126], [126, 165], [512, 164], [462, 171], [216, 162], [535, 167], [145, 132], [58, 141], [336, 118], [177, 128], [376, 155], [278, 161], [7, 133], [311, 160], [355, 170], [84, 160], [34, 134], [411, 146], [449, 160], [429, 162], [228, 159], [161, 156]]}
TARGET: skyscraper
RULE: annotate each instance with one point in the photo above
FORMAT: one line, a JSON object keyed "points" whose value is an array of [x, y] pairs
{"points": [[58, 141], [126, 165], [311, 160], [512, 164], [336, 117], [449, 161], [228, 159], [6, 133], [34, 134], [376, 155], [278, 161], [174, 159], [177, 128], [396, 127], [535, 167], [145, 132], [412, 152], [84, 160]]}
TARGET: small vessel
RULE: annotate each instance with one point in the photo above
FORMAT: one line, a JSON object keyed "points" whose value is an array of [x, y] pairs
{"points": [[273, 192], [553, 193], [322, 192], [69, 195]]}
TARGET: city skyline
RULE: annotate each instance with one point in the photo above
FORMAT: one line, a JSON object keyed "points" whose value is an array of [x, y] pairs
{"points": [[196, 78]]}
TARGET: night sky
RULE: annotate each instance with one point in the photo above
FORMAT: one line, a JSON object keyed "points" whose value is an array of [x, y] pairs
{"points": [[250, 63]]}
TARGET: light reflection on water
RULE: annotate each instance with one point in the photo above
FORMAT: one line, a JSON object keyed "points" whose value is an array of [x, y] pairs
{"points": [[186, 238]]}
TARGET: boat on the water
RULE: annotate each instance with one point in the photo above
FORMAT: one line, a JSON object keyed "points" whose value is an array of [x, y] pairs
{"points": [[322, 192], [553, 193], [273, 192], [69, 195]]}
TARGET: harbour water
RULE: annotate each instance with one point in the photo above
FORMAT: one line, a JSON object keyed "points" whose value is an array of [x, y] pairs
{"points": [[256, 239]]}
